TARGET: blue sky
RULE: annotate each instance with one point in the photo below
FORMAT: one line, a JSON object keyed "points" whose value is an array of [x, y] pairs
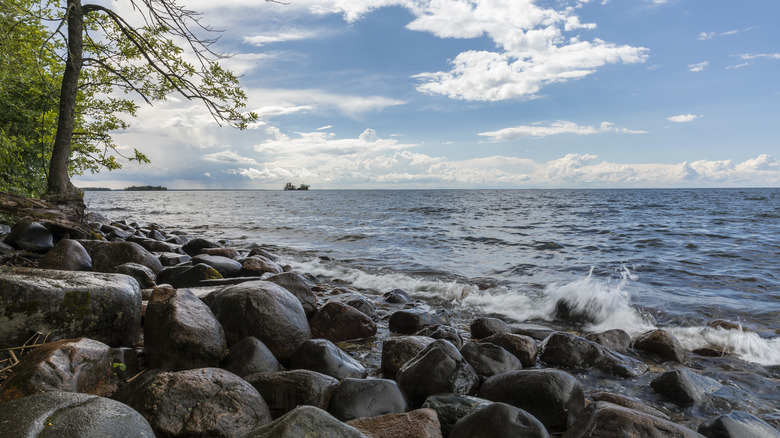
{"points": [[479, 94]]}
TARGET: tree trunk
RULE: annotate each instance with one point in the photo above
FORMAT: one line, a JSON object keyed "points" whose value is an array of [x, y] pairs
{"points": [[60, 189]]}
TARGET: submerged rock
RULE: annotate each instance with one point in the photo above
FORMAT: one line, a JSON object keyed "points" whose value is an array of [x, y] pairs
{"points": [[737, 424], [684, 386]]}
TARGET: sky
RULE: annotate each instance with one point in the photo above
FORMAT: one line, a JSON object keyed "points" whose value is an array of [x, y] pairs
{"points": [[401, 94]]}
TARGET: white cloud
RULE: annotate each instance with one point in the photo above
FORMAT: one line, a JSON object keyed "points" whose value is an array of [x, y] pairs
{"points": [[277, 37], [229, 157], [286, 101], [706, 36], [555, 128], [750, 56], [698, 66], [683, 118]]}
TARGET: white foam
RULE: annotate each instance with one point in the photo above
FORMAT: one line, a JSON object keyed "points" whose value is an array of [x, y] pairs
{"points": [[748, 346]]}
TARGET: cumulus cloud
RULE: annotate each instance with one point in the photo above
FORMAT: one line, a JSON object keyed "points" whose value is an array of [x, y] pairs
{"points": [[229, 157], [555, 128], [698, 66], [683, 118], [275, 102]]}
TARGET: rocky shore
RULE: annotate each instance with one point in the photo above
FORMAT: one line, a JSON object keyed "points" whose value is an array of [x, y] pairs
{"points": [[128, 329]]}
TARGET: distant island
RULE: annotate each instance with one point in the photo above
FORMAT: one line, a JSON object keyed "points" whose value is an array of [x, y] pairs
{"points": [[145, 188], [289, 186], [96, 189]]}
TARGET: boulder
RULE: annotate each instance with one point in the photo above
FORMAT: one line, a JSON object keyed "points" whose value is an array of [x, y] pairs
{"points": [[737, 424], [483, 327], [205, 402], [153, 245], [257, 266], [71, 415], [439, 331], [662, 344], [226, 267], [173, 259], [450, 408], [397, 296], [230, 253], [567, 350], [180, 332], [489, 359], [684, 386], [30, 236], [629, 402], [439, 368], [554, 397], [523, 347], [305, 421], [143, 275], [409, 321], [616, 339], [339, 322], [325, 357], [604, 419], [359, 302], [263, 253], [263, 310], [68, 304], [72, 365], [106, 256], [361, 398], [297, 285], [284, 390], [498, 420], [67, 255], [249, 356], [187, 276], [396, 351], [195, 246], [420, 423]]}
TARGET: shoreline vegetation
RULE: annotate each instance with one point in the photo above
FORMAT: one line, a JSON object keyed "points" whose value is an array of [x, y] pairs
{"points": [[256, 347], [290, 186], [145, 188]]}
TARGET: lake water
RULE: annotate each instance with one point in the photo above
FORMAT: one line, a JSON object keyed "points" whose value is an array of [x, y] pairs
{"points": [[630, 259]]}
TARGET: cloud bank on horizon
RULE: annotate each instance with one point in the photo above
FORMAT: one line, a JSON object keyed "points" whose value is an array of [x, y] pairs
{"points": [[478, 93]]}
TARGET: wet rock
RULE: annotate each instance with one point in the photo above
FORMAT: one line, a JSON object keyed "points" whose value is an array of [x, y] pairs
{"points": [[339, 322], [71, 415], [205, 402], [554, 397], [263, 310], [726, 325], [196, 245], [284, 390], [153, 245], [143, 275], [737, 424], [187, 276], [439, 331], [397, 296], [571, 312], [72, 365], [604, 419], [489, 359], [662, 344], [180, 332], [68, 304], [498, 420], [438, 368], [397, 351], [409, 321], [420, 423], [6, 249], [127, 357], [325, 357], [305, 421], [616, 339], [538, 332], [360, 398], [450, 408], [30, 236], [226, 267], [523, 347], [297, 285], [630, 403], [257, 266], [263, 253], [359, 302], [230, 253], [249, 356], [67, 255], [483, 327], [684, 386], [173, 259], [106, 256], [567, 350]]}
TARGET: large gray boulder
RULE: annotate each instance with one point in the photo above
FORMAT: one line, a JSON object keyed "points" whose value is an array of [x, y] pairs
{"points": [[284, 390], [106, 256], [30, 236], [249, 356], [263, 310], [685, 386], [363, 398], [297, 285], [325, 357], [71, 415], [396, 351], [567, 350], [68, 304], [604, 419], [180, 332], [450, 408], [67, 255], [499, 420], [737, 424], [305, 421]]}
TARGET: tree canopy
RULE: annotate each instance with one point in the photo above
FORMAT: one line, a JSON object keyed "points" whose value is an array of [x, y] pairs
{"points": [[69, 73]]}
